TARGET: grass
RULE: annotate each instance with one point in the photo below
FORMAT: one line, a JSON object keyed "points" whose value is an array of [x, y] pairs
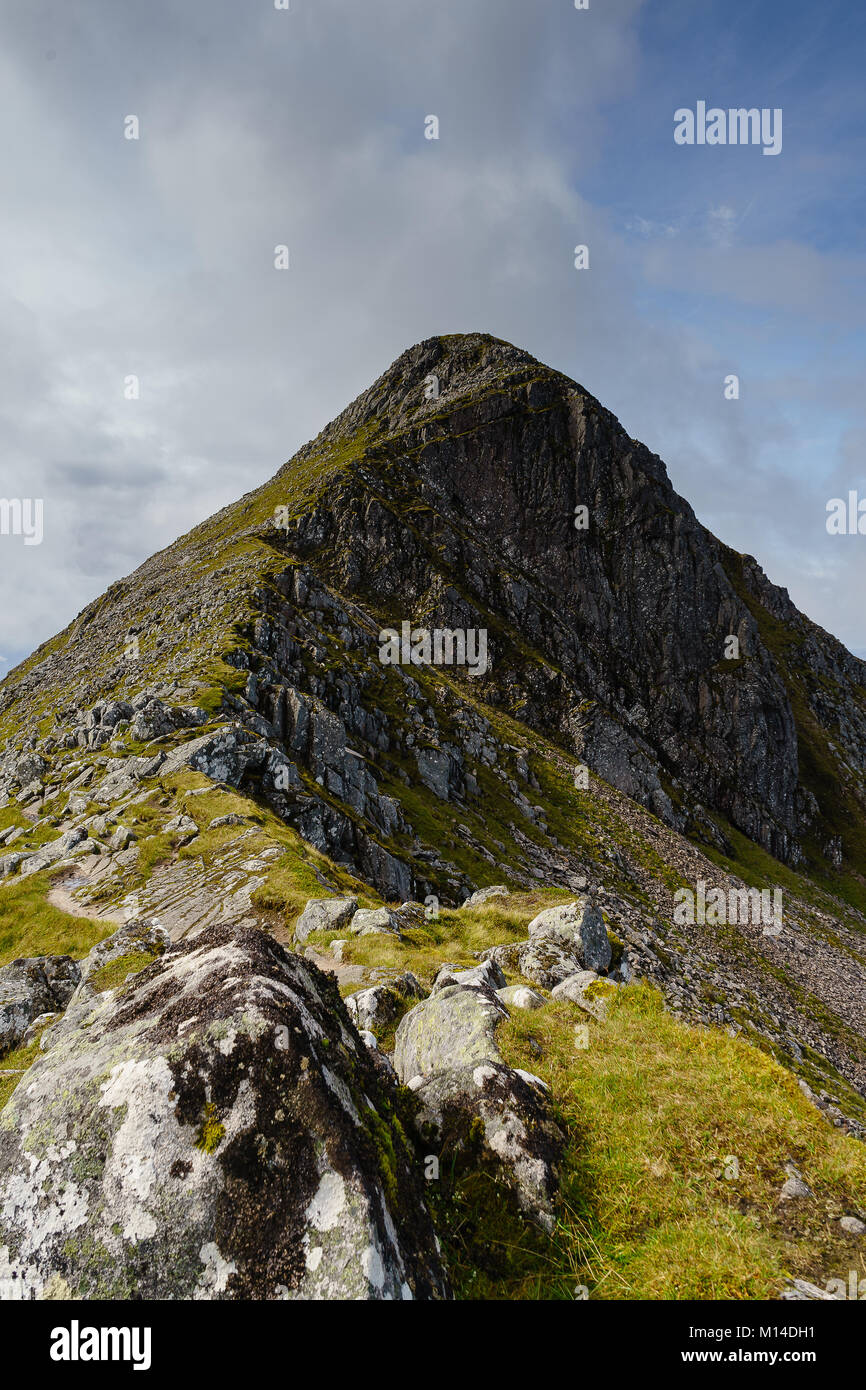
{"points": [[13, 1066], [454, 936], [31, 926], [656, 1114]]}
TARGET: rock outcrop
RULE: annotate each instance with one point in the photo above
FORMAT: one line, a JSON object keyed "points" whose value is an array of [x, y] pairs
{"points": [[215, 1129]]}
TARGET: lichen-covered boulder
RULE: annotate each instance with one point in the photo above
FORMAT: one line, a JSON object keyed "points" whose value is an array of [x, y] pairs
{"points": [[373, 1008], [214, 1129], [558, 921], [517, 1139], [587, 991], [31, 986], [578, 926], [545, 960], [521, 997], [375, 921], [489, 973], [454, 1028], [507, 956], [325, 914]]}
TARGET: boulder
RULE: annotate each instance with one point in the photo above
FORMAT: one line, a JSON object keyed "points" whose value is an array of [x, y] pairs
{"points": [[505, 956], [373, 1008], [483, 895], [122, 838], [586, 991], [488, 973], [325, 914], [580, 925], [561, 921], [520, 997], [496, 1118], [454, 1028], [31, 986], [31, 767], [546, 960], [213, 1131], [374, 922]]}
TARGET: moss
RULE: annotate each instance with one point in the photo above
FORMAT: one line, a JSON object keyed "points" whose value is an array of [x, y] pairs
{"points": [[117, 971], [211, 1131]]}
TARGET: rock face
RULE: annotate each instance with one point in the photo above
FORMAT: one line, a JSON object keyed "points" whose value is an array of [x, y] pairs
{"points": [[213, 1130], [610, 638]]}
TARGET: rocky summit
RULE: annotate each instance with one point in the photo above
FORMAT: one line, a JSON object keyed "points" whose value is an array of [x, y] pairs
{"points": [[440, 874]]}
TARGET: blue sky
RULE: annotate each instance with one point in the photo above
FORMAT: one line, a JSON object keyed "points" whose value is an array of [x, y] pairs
{"points": [[556, 127]]}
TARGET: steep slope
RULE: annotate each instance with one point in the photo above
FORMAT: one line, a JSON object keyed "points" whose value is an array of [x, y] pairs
{"points": [[459, 512], [237, 673]]}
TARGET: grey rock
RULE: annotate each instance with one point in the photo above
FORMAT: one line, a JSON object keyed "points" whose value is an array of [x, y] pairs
{"points": [[546, 960], [30, 986], [70, 843], [206, 1134], [122, 838], [521, 997], [575, 989], [488, 973], [794, 1188], [802, 1291], [139, 936], [483, 895], [374, 922], [325, 914], [454, 1028], [181, 825], [516, 1139], [373, 1008], [597, 951]]}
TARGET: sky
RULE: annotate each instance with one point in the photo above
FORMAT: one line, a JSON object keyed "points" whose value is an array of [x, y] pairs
{"points": [[153, 257]]}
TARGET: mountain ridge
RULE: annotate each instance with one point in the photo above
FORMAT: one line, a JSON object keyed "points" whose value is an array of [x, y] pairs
{"points": [[212, 775]]}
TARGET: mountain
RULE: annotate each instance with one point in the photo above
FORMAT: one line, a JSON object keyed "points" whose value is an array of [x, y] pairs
{"points": [[235, 731]]}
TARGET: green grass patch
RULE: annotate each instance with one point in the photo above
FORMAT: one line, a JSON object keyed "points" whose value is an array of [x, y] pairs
{"points": [[677, 1141], [32, 926]]}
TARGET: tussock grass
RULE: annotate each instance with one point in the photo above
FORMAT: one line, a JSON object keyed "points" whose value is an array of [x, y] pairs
{"points": [[677, 1141]]}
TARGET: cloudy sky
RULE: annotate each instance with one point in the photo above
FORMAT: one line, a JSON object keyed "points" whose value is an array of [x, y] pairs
{"points": [[154, 257]]}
